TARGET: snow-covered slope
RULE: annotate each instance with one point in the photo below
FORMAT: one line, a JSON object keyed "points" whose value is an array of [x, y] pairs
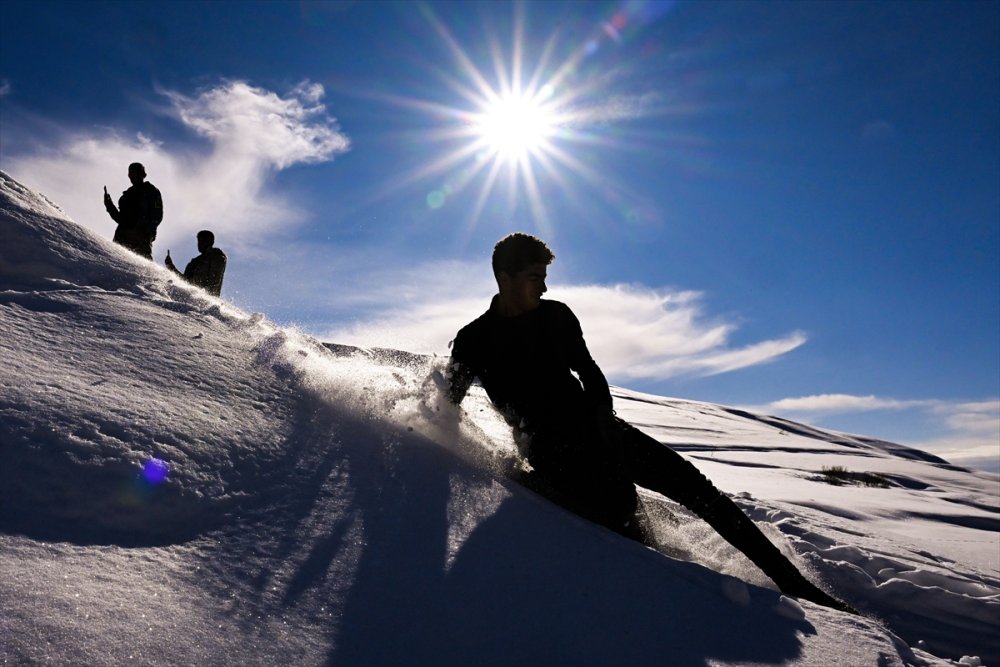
{"points": [[185, 483]]}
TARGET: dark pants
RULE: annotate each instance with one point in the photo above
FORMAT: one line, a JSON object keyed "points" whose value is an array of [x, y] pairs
{"points": [[657, 467], [597, 480], [575, 468], [136, 240]]}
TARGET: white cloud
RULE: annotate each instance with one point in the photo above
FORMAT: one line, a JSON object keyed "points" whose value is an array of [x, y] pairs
{"points": [[260, 129], [632, 331], [417, 309], [974, 434], [421, 327], [976, 416], [636, 332], [252, 133], [968, 430], [840, 404]]}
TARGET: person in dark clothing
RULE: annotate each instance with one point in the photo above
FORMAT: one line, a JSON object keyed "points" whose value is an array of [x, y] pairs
{"points": [[207, 269], [139, 213], [525, 350]]}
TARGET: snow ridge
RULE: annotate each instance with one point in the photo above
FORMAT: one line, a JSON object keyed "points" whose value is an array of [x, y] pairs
{"points": [[185, 483]]}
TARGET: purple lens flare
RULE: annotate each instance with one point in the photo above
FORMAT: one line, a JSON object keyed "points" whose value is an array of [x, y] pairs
{"points": [[155, 471]]}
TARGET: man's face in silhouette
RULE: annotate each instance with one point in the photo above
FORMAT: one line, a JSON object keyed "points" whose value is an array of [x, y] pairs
{"points": [[136, 175], [522, 292], [204, 243]]}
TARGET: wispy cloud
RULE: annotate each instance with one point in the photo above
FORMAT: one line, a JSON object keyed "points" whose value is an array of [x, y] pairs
{"points": [[417, 308], [260, 127], [974, 433], [637, 332], [5, 88], [964, 431], [633, 331], [614, 108], [841, 404], [252, 133]]}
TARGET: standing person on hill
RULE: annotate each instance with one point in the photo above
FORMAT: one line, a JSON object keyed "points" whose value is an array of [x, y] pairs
{"points": [[207, 269], [139, 212], [525, 351]]}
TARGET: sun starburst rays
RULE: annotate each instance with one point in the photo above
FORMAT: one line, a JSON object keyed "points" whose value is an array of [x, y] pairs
{"points": [[510, 138], [514, 126]]}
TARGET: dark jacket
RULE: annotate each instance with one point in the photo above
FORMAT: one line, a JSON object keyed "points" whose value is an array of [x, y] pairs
{"points": [[526, 364], [207, 270], [139, 212]]}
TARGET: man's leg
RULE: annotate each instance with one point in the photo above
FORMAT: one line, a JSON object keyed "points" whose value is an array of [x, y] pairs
{"points": [[132, 238], [144, 247], [579, 473], [659, 468]]}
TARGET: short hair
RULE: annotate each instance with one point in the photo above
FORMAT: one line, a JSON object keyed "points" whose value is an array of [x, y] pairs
{"points": [[515, 252], [137, 166], [205, 234]]}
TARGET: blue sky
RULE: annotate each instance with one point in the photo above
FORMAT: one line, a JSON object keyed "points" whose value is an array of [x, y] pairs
{"points": [[789, 206]]}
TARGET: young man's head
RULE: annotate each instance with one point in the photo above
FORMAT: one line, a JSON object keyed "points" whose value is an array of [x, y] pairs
{"points": [[519, 265], [136, 173], [206, 240]]}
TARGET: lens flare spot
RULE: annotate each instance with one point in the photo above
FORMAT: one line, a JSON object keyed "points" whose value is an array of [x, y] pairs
{"points": [[155, 471], [435, 199]]}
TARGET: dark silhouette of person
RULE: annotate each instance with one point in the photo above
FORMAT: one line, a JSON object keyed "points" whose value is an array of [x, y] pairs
{"points": [[207, 269], [525, 350], [139, 213]]}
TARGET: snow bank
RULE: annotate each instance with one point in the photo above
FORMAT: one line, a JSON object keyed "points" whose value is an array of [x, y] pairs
{"points": [[185, 483]]}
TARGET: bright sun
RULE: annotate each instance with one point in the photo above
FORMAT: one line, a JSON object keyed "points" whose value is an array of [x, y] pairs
{"points": [[515, 126], [515, 130]]}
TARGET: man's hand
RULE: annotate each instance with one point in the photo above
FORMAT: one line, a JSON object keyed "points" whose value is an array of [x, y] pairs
{"points": [[169, 262]]}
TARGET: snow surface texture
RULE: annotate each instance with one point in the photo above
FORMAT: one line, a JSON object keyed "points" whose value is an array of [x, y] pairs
{"points": [[185, 483]]}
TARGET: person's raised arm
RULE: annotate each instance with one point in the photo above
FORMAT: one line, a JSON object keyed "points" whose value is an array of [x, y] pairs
{"points": [[169, 263], [594, 382], [109, 205]]}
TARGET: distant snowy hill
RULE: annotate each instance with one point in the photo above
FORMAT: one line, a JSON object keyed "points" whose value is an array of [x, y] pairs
{"points": [[185, 483]]}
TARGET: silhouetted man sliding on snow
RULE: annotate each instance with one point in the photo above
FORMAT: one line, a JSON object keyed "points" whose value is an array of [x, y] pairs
{"points": [[524, 350]]}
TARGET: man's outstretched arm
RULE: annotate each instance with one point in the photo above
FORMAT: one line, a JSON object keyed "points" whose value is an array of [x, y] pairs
{"points": [[459, 380], [591, 376], [595, 384], [461, 372]]}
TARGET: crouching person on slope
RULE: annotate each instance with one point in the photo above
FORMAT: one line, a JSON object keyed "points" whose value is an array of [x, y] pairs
{"points": [[524, 350], [207, 269]]}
